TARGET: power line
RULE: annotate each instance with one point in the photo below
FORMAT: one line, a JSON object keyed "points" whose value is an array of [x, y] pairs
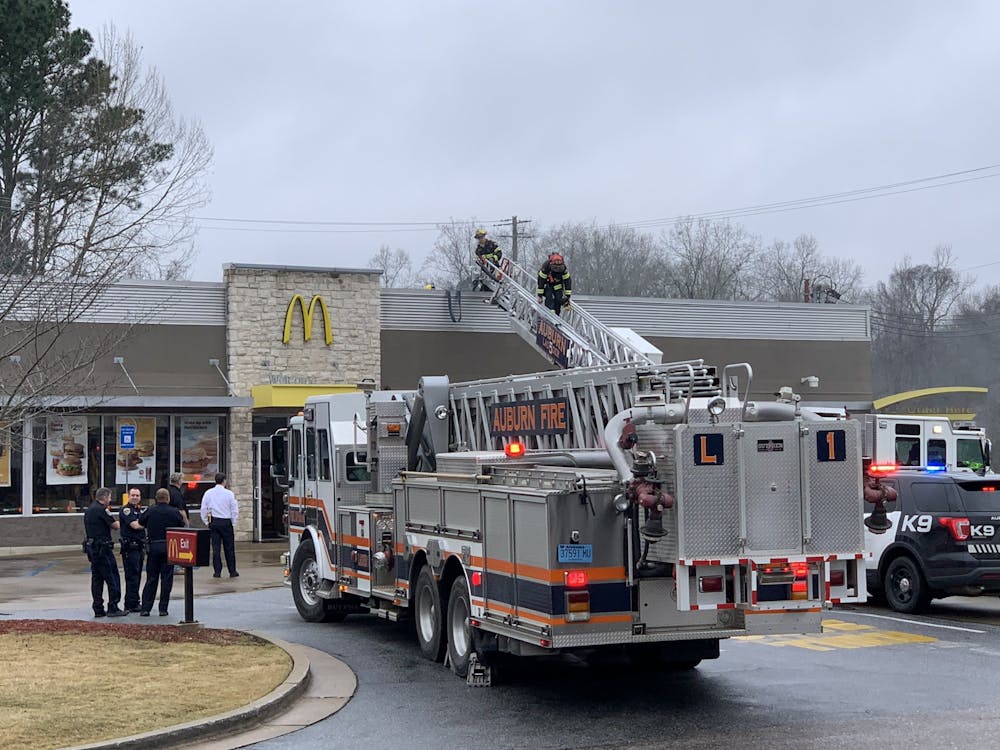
{"points": [[849, 196]]}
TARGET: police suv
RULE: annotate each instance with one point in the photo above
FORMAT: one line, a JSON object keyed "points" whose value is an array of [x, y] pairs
{"points": [[944, 538]]}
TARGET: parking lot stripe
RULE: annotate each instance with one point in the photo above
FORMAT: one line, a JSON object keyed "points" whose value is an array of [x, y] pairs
{"points": [[919, 622]]}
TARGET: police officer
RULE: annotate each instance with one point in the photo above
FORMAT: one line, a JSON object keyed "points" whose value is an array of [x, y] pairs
{"points": [[133, 548], [156, 520], [98, 524]]}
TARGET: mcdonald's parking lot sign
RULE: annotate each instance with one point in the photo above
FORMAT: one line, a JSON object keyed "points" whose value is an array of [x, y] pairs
{"points": [[188, 547], [307, 318]]}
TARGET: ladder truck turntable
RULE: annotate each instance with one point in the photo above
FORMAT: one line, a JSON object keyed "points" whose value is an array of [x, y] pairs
{"points": [[620, 502]]}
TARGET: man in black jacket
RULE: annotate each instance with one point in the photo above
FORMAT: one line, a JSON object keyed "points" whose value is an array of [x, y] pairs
{"points": [[177, 495], [156, 521]]}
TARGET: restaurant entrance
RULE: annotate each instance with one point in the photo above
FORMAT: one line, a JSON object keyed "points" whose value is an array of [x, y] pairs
{"points": [[270, 518]]}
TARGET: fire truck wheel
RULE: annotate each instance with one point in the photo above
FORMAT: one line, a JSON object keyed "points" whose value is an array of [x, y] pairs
{"points": [[904, 586], [459, 633], [305, 580], [428, 615]]}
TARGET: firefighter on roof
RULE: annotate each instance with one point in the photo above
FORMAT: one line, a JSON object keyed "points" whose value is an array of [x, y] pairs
{"points": [[488, 254], [554, 284]]}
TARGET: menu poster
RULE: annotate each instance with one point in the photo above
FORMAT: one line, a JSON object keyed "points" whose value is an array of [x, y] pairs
{"points": [[5, 457], [66, 443], [199, 448], [136, 465]]}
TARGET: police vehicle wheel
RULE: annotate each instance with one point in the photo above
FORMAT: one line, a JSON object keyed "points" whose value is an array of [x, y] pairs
{"points": [[428, 615], [904, 586], [306, 578], [460, 642]]}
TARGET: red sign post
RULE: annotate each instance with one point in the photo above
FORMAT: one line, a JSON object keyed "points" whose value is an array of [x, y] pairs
{"points": [[188, 548]]}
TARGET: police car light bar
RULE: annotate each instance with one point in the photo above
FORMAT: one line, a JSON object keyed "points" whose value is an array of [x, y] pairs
{"points": [[882, 468]]}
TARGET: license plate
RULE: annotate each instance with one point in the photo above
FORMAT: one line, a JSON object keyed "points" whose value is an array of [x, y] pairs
{"points": [[576, 553]]}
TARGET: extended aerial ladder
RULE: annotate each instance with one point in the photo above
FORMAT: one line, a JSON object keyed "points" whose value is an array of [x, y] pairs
{"points": [[573, 339]]}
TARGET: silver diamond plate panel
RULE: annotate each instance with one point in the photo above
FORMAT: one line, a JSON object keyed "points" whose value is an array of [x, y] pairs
{"points": [[388, 408], [610, 638], [661, 440], [391, 461], [773, 487], [708, 514], [835, 494]]}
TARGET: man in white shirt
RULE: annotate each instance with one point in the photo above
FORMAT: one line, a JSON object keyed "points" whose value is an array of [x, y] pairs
{"points": [[220, 511]]}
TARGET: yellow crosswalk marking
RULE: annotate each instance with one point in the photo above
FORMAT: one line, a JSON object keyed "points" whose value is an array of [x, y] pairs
{"points": [[839, 634]]}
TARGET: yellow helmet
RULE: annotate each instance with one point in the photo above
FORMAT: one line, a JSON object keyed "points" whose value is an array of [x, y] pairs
{"points": [[479, 233]]}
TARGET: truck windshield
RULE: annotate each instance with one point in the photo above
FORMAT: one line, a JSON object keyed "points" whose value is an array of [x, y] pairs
{"points": [[970, 454]]}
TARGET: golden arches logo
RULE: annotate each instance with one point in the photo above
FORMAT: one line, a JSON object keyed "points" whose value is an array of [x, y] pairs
{"points": [[172, 549], [307, 318]]}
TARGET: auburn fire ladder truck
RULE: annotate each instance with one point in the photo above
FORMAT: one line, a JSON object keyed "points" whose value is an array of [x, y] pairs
{"points": [[620, 503]]}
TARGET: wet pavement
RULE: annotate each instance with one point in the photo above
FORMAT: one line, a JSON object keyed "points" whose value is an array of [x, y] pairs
{"points": [[46, 580]]}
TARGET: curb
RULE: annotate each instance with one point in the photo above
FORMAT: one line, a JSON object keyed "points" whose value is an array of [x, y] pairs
{"points": [[212, 727]]}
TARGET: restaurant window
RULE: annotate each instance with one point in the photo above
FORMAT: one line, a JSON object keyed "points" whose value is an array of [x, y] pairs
{"points": [[146, 465], [10, 471], [66, 462], [199, 453]]}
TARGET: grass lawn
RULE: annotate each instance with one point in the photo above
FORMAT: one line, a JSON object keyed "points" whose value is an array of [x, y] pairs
{"points": [[65, 682]]}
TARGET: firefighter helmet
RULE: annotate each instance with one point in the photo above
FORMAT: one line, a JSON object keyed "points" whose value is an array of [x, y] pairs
{"points": [[479, 233], [555, 258]]}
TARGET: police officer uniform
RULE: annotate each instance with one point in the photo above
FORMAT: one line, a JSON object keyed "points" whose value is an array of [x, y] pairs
{"points": [[97, 524], [156, 520], [133, 549]]}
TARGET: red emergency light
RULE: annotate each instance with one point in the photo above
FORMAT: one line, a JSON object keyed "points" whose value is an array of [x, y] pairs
{"points": [[514, 449], [882, 468]]}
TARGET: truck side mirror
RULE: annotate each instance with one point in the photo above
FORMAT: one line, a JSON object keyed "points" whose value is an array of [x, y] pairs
{"points": [[279, 458]]}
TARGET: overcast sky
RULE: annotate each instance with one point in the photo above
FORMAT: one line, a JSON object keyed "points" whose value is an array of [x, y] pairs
{"points": [[581, 111]]}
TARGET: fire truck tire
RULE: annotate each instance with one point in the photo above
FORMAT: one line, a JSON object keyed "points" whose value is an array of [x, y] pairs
{"points": [[904, 586], [460, 640], [428, 615], [305, 579]]}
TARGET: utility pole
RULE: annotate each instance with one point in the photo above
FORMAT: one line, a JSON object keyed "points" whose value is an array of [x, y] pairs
{"points": [[514, 235]]}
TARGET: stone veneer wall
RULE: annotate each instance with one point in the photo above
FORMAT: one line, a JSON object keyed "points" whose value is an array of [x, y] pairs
{"points": [[257, 300]]}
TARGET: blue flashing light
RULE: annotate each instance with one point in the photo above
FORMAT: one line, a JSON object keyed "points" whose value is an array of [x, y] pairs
{"points": [[936, 467]]}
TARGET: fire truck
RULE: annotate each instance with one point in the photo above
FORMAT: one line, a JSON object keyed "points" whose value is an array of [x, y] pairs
{"points": [[618, 502]]}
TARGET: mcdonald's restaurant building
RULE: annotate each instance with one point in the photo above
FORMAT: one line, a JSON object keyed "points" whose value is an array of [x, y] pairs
{"points": [[200, 374]]}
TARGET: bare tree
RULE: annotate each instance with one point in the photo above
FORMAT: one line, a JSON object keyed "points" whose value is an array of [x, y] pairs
{"points": [[397, 268], [98, 182], [451, 264], [609, 260], [911, 321], [710, 260], [782, 272]]}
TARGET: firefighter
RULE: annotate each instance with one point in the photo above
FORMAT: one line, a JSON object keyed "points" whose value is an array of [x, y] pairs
{"points": [[487, 252], [554, 284], [133, 548], [98, 523]]}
